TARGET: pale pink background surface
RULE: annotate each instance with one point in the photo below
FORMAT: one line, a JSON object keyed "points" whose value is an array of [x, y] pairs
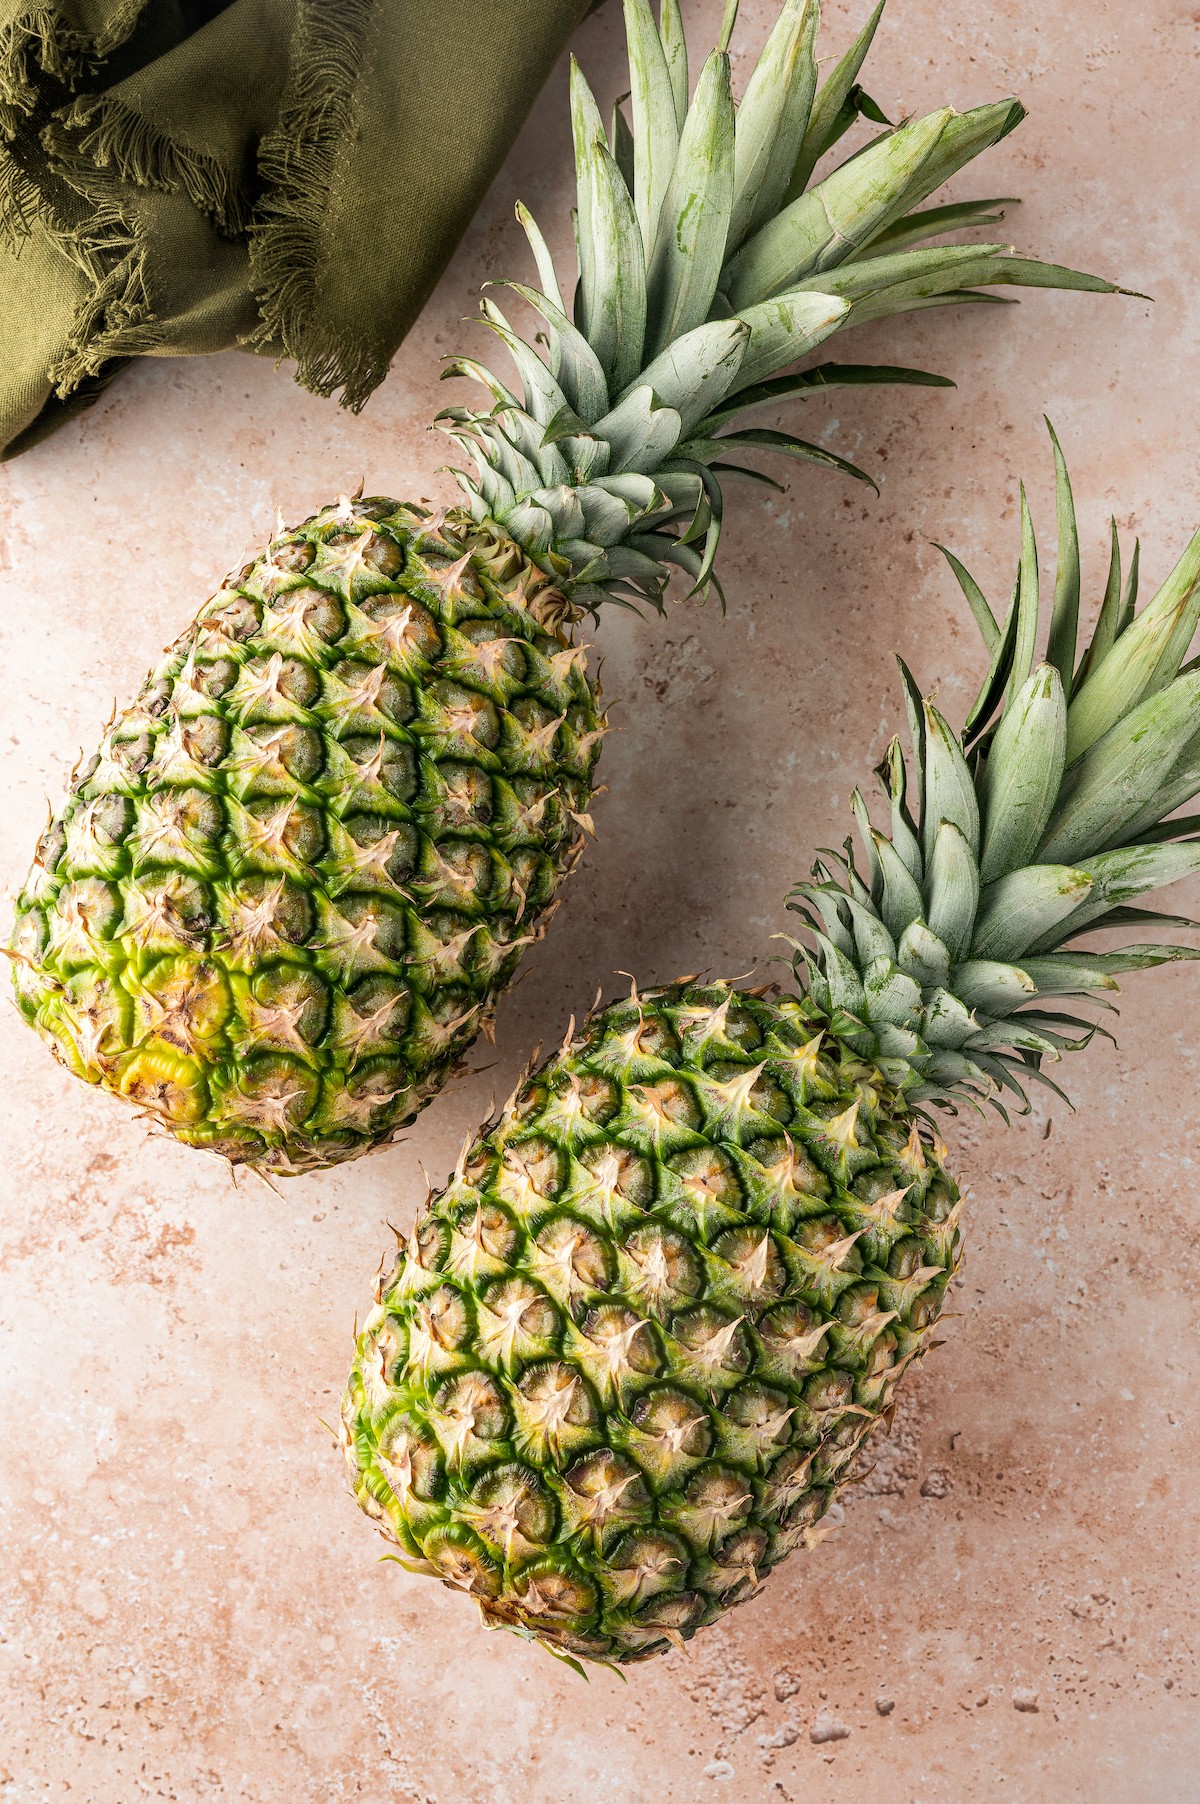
{"points": [[190, 1604]]}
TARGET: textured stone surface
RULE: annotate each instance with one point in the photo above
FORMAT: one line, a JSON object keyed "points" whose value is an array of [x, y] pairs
{"points": [[190, 1606]]}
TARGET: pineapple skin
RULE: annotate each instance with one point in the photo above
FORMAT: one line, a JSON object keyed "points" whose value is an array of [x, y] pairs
{"points": [[283, 896], [626, 1357]]}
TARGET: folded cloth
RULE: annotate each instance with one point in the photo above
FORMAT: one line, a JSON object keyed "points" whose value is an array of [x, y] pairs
{"points": [[287, 176]]}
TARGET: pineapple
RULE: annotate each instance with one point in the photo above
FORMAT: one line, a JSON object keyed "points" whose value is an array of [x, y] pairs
{"points": [[627, 1357], [283, 896]]}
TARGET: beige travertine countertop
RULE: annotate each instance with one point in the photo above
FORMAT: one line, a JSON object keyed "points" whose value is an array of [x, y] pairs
{"points": [[190, 1605]]}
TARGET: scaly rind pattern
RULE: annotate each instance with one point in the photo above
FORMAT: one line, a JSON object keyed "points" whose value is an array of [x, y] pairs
{"points": [[628, 1354], [285, 893]]}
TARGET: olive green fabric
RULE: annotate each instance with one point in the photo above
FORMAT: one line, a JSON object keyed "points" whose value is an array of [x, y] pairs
{"points": [[287, 176]]}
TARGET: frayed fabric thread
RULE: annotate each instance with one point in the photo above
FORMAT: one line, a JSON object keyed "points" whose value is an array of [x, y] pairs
{"points": [[297, 163], [39, 42], [108, 133]]}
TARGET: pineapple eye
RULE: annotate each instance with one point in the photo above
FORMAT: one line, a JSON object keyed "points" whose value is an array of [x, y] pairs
{"points": [[598, 1098], [557, 1395], [661, 1268], [429, 1244], [858, 1304], [461, 1560], [522, 1314], [510, 1506], [397, 841], [403, 626], [605, 1491], [764, 1413], [467, 720], [822, 1232], [456, 874], [549, 1592], [713, 1344], [376, 1011], [132, 755], [530, 1174], [213, 677], [459, 795], [716, 1501], [472, 1409], [384, 761], [292, 1005], [741, 1558], [645, 1562], [755, 1267], [707, 1174], [294, 554], [743, 1029], [570, 1257], [383, 554], [619, 1172], [444, 1317], [792, 1336], [675, 1420], [231, 616], [829, 1393]]}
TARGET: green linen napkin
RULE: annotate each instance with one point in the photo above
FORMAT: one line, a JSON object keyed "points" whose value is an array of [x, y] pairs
{"points": [[287, 176]]}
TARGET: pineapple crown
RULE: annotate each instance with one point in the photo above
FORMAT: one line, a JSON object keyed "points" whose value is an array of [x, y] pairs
{"points": [[944, 958], [707, 264]]}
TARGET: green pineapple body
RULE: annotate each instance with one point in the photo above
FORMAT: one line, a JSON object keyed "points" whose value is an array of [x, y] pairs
{"points": [[627, 1356], [284, 895]]}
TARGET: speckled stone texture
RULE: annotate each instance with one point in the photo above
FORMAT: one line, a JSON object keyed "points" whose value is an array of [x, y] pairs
{"points": [[190, 1605]]}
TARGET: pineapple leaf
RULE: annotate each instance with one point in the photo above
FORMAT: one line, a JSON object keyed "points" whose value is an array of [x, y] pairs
{"points": [[1027, 606], [543, 396], [985, 620], [966, 135], [773, 118], [621, 144], [655, 131], [1112, 620], [816, 381], [827, 121], [617, 311], [900, 902], [894, 777], [587, 130], [1064, 621], [993, 987], [547, 275], [871, 280], [689, 245], [787, 328], [913, 228], [579, 372], [697, 371], [641, 433], [1020, 907], [1023, 773], [948, 791], [952, 890], [763, 438], [1105, 788], [674, 46], [1119, 876], [1144, 659], [822, 228]]}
